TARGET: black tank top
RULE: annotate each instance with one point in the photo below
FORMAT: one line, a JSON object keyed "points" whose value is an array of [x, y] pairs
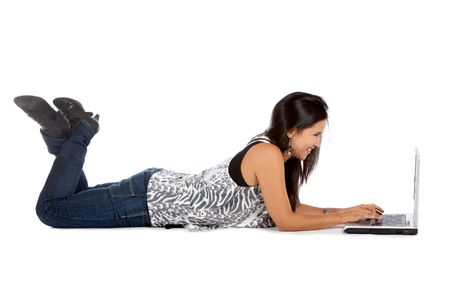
{"points": [[234, 169]]}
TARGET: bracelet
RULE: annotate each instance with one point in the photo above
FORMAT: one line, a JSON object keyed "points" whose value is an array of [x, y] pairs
{"points": [[325, 211]]}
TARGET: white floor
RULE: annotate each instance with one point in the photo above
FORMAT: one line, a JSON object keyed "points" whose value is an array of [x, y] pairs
{"points": [[221, 264]]}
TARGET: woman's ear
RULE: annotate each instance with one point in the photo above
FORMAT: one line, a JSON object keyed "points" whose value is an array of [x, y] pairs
{"points": [[290, 134]]}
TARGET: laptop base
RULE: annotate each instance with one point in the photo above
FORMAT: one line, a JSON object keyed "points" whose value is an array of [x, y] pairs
{"points": [[372, 230]]}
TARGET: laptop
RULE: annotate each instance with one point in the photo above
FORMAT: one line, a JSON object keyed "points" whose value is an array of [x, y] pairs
{"points": [[392, 223]]}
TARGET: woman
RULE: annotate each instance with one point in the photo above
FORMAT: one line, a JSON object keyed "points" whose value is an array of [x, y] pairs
{"points": [[258, 187]]}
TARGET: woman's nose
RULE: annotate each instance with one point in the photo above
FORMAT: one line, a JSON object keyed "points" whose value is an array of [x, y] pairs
{"points": [[317, 143]]}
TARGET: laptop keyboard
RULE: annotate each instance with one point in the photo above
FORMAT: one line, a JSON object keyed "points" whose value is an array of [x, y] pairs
{"points": [[392, 220]]}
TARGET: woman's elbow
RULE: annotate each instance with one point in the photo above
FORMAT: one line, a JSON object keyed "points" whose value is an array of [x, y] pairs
{"points": [[297, 222], [285, 224]]}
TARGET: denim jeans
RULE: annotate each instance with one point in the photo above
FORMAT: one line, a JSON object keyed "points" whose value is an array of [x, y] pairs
{"points": [[66, 201]]}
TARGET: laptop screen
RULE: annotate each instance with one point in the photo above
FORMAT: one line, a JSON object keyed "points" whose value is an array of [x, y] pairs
{"points": [[416, 188]]}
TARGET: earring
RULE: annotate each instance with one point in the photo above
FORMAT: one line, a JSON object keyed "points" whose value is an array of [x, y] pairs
{"points": [[290, 150]]}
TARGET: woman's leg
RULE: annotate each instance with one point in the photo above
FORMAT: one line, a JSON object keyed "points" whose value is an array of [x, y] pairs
{"points": [[121, 204], [55, 126], [54, 146], [66, 201]]}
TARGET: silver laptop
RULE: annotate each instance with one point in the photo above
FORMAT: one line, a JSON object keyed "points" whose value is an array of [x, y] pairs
{"points": [[393, 223]]}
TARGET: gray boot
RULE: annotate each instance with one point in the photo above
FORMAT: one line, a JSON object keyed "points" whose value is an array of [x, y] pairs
{"points": [[75, 112], [53, 124]]}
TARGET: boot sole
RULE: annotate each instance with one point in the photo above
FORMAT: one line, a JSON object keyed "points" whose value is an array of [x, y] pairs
{"points": [[33, 104]]}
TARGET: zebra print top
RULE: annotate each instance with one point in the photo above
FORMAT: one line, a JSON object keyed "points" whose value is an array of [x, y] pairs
{"points": [[204, 201]]}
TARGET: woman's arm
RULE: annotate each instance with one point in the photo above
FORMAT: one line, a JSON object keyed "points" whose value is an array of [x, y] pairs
{"points": [[303, 221], [312, 210], [268, 165]]}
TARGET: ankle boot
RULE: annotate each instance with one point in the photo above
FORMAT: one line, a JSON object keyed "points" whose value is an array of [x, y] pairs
{"points": [[75, 112], [53, 124]]}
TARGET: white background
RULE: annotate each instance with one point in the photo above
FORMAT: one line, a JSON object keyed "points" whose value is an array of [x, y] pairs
{"points": [[183, 85]]}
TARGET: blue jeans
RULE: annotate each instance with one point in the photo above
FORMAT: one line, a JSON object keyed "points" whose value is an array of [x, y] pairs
{"points": [[66, 201]]}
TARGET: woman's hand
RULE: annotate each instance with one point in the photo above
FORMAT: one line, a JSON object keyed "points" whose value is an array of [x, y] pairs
{"points": [[359, 212]]}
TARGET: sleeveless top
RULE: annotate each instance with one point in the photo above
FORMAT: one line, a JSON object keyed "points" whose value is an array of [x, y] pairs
{"points": [[208, 200]]}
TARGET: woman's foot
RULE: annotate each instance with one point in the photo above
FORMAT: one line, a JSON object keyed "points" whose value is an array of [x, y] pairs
{"points": [[53, 124], [75, 112]]}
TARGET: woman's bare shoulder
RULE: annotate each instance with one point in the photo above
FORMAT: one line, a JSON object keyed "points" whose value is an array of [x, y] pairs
{"points": [[265, 151], [259, 159], [264, 154]]}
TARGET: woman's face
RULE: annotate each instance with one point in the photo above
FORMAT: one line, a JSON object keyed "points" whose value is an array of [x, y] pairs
{"points": [[304, 141]]}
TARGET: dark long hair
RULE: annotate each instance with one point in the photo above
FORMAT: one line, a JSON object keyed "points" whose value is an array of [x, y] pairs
{"points": [[296, 110]]}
